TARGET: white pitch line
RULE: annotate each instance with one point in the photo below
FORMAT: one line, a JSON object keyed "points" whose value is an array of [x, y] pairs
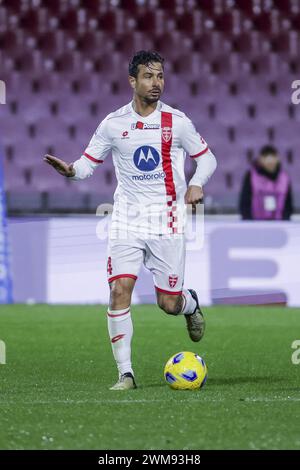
{"points": [[101, 402], [126, 401], [272, 399]]}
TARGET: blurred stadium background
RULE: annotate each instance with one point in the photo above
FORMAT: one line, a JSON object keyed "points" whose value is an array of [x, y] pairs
{"points": [[229, 65]]}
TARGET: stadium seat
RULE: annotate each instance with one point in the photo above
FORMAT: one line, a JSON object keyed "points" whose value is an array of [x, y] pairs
{"points": [[211, 7], [27, 154], [271, 111], [211, 44], [28, 62], [10, 41], [111, 64], [70, 20], [286, 135], [9, 123], [284, 6], [112, 21], [296, 21], [246, 6], [128, 5], [53, 6], [252, 89], [229, 66], [132, 41], [65, 199], [14, 5], [251, 135], [90, 43], [230, 111], [68, 62], [229, 22], [172, 44], [34, 20], [52, 43], [287, 44], [250, 43], [13, 178], [44, 178]]}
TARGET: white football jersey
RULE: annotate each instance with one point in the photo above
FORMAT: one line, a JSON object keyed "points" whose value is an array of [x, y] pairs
{"points": [[148, 155]]}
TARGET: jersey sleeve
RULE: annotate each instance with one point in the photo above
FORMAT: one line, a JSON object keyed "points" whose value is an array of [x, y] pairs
{"points": [[94, 154], [99, 145], [191, 140]]}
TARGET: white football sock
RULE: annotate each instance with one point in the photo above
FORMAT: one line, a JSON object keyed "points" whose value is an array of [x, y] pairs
{"points": [[120, 330], [189, 304]]}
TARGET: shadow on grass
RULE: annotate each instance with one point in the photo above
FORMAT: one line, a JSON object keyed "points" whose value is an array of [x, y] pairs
{"points": [[151, 385], [215, 381]]}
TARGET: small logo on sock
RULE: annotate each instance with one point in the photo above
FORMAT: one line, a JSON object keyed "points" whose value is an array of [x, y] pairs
{"points": [[173, 278], [117, 338]]}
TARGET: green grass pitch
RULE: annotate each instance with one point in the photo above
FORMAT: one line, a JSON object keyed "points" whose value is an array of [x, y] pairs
{"points": [[54, 387]]}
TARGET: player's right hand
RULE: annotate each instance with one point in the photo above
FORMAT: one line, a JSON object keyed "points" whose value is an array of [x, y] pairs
{"points": [[60, 166]]}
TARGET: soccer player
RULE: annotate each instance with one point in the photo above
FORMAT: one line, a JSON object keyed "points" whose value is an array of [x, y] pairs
{"points": [[148, 140]]}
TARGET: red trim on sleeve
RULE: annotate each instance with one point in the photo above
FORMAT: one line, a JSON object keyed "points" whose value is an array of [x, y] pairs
{"points": [[132, 276], [200, 153], [92, 158], [168, 292]]}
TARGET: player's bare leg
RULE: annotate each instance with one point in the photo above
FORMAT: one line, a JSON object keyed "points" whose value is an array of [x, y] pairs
{"points": [[121, 330], [188, 305]]}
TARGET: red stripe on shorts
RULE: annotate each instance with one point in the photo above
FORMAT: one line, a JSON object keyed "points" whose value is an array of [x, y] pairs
{"points": [[122, 275], [168, 291]]}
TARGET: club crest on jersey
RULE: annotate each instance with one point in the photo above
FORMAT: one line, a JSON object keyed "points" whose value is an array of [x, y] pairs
{"points": [[146, 158], [166, 134], [143, 125], [173, 278]]}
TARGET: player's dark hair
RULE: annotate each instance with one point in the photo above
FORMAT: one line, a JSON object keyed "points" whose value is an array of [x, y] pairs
{"points": [[268, 150], [143, 58]]}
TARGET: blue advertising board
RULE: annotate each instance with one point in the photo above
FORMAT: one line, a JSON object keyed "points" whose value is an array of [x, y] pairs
{"points": [[6, 295]]}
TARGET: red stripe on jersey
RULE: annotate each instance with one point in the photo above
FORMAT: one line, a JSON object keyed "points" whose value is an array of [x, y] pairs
{"points": [[166, 121], [200, 153], [118, 314], [92, 158], [168, 291], [111, 279]]}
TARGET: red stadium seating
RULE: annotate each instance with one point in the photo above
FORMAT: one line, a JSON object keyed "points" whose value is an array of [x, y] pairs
{"points": [[229, 66]]}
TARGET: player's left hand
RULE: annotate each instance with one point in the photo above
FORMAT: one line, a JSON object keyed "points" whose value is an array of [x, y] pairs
{"points": [[193, 195]]}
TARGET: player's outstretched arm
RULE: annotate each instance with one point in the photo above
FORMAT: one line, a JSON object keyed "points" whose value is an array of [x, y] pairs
{"points": [[63, 168]]}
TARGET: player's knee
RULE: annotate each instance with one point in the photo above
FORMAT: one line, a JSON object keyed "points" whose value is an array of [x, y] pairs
{"points": [[119, 291], [170, 305]]}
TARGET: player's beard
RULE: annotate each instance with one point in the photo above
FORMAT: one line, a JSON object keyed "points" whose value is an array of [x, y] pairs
{"points": [[152, 99]]}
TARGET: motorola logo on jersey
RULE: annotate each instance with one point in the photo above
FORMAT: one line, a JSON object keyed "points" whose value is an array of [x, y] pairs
{"points": [[146, 158]]}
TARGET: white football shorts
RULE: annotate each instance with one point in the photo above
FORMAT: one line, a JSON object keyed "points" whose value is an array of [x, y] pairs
{"points": [[164, 257]]}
